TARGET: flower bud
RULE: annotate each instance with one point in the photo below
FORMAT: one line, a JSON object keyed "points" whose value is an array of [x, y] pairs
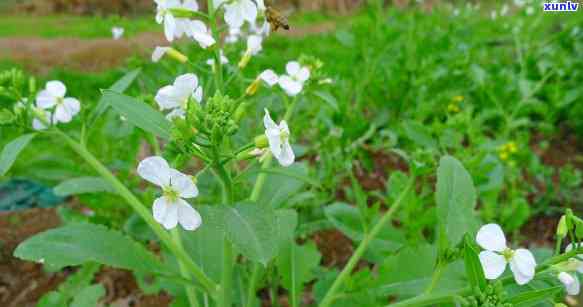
{"points": [[175, 54], [253, 87], [261, 141], [562, 228], [244, 60]]}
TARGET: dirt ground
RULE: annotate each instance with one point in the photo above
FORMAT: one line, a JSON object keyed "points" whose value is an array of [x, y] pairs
{"points": [[40, 55]]}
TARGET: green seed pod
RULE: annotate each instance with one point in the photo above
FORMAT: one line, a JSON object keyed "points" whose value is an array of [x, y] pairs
{"points": [[562, 228]]}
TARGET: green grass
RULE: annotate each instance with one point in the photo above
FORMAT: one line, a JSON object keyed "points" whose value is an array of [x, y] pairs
{"points": [[72, 26]]}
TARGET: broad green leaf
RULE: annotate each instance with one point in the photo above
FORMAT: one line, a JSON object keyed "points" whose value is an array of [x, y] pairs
{"points": [[295, 264], [283, 185], [139, 113], [82, 185], [287, 221], [119, 86], [11, 151], [205, 244], [349, 221], [409, 272], [89, 296], [474, 269], [75, 244], [253, 230], [531, 298], [456, 199]]}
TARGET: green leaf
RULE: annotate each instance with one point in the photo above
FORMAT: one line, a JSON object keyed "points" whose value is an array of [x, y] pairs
{"points": [[287, 221], [205, 244], [253, 230], [349, 221], [70, 287], [532, 297], [11, 151], [76, 244], [283, 185], [419, 134], [409, 272], [295, 265], [89, 296], [82, 185], [119, 86], [456, 199], [474, 269], [139, 114]]}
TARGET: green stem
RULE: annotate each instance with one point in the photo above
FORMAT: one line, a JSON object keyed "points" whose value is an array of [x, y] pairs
{"points": [[436, 276], [225, 298], [190, 290], [353, 261], [431, 299], [144, 213], [257, 188]]}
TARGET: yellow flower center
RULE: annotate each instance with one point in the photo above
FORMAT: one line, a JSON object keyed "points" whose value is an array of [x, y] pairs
{"points": [[171, 194], [508, 254]]}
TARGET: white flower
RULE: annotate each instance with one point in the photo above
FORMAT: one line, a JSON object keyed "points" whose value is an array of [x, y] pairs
{"points": [[37, 124], [239, 11], [269, 77], [579, 257], [159, 53], [571, 282], [278, 138], [293, 83], [176, 97], [253, 45], [174, 27], [262, 30], [117, 32], [171, 208], [199, 32], [54, 96], [224, 60], [233, 36], [497, 255]]}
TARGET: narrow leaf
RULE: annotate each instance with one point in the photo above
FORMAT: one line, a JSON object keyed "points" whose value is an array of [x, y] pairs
{"points": [[139, 113], [11, 151], [456, 199], [119, 86], [82, 185], [532, 297]]}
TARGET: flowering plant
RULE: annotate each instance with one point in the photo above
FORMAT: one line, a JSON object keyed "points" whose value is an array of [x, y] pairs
{"points": [[213, 193]]}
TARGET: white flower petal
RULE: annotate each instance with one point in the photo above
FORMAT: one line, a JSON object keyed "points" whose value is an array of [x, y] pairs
{"points": [[303, 74], [197, 95], [248, 10], [491, 237], [56, 88], [492, 264], [45, 100], [159, 209], [155, 170], [233, 16], [171, 219], [167, 98], [176, 113], [188, 217], [169, 27], [190, 5], [292, 68], [62, 114], [72, 105], [523, 266], [287, 156], [183, 184], [268, 123], [269, 77], [158, 53], [570, 282], [254, 44], [290, 86], [185, 85], [38, 125]]}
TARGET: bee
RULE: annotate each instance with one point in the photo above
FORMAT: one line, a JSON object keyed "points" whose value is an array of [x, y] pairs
{"points": [[275, 18]]}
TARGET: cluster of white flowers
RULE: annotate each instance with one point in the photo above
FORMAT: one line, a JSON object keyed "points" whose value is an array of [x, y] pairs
{"points": [[54, 106], [292, 82], [569, 278]]}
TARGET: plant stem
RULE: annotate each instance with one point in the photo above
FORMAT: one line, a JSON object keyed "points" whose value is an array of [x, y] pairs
{"points": [[435, 278], [137, 205], [329, 297], [431, 299], [190, 290], [225, 298]]}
